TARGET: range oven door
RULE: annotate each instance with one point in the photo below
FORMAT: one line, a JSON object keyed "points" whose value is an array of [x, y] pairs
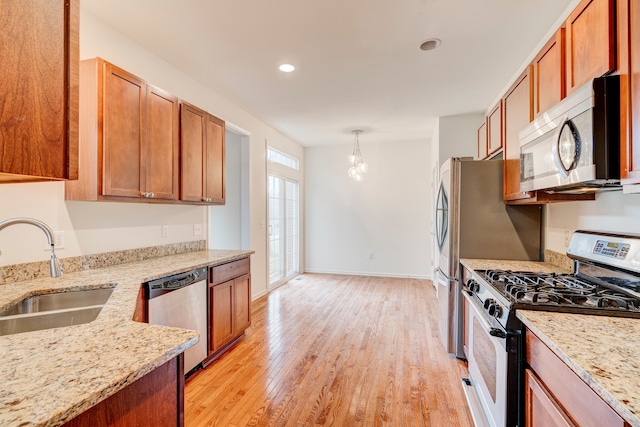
{"points": [[487, 359]]}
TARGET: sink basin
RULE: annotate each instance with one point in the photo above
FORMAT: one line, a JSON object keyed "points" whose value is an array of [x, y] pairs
{"points": [[59, 301], [55, 310], [58, 319]]}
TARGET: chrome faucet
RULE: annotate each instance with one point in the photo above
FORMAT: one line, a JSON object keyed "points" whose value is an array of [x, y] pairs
{"points": [[54, 264]]}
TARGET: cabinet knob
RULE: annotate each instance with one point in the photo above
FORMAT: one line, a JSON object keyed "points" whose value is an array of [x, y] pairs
{"points": [[148, 194]]}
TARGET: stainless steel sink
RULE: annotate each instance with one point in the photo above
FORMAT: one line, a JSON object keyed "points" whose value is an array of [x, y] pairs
{"points": [[59, 301], [57, 319], [55, 310]]}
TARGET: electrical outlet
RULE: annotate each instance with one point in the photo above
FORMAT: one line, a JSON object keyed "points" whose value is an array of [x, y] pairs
{"points": [[370, 255], [58, 239], [197, 229], [165, 231], [567, 238]]}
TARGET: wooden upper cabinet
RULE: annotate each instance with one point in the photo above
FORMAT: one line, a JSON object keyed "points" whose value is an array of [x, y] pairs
{"points": [[39, 90], [482, 141], [517, 104], [129, 138], [549, 74], [494, 130], [122, 140], [161, 144], [590, 37], [215, 164], [629, 56], [203, 156]]}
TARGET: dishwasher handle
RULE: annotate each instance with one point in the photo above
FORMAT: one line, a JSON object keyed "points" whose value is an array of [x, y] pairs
{"points": [[158, 287]]}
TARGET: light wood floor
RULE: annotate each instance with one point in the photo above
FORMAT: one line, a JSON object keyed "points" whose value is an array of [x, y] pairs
{"points": [[335, 350]]}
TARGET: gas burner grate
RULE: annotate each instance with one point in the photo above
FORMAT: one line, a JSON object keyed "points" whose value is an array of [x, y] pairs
{"points": [[560, 290]]}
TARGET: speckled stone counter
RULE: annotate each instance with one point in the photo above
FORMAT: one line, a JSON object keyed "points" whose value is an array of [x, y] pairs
{"points": [[492, 264], [603, 351], [48, 377]]}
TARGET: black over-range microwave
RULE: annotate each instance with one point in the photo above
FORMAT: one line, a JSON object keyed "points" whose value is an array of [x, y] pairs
{"points": [[574, 147]]}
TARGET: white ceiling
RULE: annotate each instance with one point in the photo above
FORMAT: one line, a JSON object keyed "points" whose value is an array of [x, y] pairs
{"points": [[358, 62]]}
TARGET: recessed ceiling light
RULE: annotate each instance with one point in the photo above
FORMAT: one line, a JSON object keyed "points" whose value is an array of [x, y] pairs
{"points": [[287, 68], [430, 44]]}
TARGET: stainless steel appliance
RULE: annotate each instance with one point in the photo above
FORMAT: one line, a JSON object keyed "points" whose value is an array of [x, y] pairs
{"points": [[181, 301], [574, 147], [605, 281], [472, 221]]}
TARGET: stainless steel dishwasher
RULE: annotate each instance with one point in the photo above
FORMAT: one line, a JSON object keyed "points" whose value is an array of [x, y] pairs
{"points": [[181, 301]]}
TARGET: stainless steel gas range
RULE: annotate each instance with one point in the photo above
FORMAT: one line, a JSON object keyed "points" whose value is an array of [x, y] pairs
{"points": [[605, 281]]}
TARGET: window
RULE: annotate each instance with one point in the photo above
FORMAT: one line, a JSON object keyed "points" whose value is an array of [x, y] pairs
{"points": [[281, 158]]}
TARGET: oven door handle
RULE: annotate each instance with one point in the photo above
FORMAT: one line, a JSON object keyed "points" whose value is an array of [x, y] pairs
{"points": [[491, 330]]}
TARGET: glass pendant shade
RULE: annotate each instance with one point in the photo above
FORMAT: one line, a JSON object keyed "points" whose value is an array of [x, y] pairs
{"points": [[358, 166]]}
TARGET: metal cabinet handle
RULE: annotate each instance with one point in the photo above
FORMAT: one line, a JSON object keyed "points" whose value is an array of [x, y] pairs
{"points": [[148, 194]]}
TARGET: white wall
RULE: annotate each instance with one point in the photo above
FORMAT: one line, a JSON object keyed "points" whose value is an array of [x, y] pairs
{"points": [[458, 135], [611, 211], [225, 222], [92, 227], [388, 214]]}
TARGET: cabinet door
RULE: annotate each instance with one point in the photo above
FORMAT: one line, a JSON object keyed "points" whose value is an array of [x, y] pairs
{"points": [[215, 160], [39, 90], [124, 99], [591, 49], [629, 44], [541, 409], [517, 115], [192, 134], [221, 315], [161, 144], [242, 303], [549, 74], [482, 141], [494, 130]]}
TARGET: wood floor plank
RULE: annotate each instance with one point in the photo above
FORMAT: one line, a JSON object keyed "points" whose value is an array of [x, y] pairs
{"points": [[332, 350]]}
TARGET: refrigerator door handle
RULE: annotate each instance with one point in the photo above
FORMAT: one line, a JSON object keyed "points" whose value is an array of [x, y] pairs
{"points": [[442, 212], [452, 279]]}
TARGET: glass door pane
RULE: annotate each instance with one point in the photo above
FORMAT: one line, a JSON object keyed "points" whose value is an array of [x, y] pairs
{"points": [[283, 228]]}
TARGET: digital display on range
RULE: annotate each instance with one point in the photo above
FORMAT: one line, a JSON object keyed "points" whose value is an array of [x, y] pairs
{"points": [[611, 249]]}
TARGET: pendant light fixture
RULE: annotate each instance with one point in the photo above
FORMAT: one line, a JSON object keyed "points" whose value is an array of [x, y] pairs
{"points": [[358, 166]]}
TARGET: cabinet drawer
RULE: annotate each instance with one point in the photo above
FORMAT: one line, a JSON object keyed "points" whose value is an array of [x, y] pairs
{"points": [[224, 272]]}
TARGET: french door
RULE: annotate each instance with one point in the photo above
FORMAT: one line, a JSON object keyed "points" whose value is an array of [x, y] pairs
{"points": [[283, 229]]}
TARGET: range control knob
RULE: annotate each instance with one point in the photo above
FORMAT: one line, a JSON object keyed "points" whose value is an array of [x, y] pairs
{"points": [[495, 310], [473, 285], [488, 302]]}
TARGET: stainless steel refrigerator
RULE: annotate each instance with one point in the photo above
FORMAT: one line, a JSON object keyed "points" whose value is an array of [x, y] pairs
{"points": [[472, 221]]}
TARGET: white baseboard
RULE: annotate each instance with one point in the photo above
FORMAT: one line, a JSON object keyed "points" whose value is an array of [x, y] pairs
{"points": [[368, 273]]}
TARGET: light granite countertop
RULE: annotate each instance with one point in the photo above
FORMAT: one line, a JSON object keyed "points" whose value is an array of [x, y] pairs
{"points": [[48, 377], [601, 350]]}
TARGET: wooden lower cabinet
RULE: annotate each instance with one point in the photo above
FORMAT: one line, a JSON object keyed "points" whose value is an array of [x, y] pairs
{"points": [[155, 400], [541, 408], [222, 315], [557, 396], [229, 305]]}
